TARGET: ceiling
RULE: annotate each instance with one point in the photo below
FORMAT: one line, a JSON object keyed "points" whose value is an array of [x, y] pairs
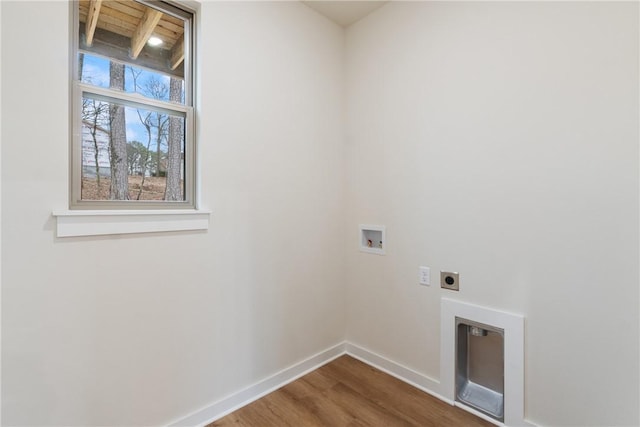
{"points": [[121, 29], [344, 12]]}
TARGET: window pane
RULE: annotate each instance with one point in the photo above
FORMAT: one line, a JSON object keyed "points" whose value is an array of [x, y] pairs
{"points": [[131, 153], [95, 71]]}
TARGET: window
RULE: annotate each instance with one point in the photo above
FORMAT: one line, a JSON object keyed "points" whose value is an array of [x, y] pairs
{"points": [[133, 122]]}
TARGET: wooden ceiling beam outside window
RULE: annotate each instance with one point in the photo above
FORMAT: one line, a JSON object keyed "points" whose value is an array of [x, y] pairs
{"points": [[143, 32], [92, 20], [120, 29], [177, 53]]}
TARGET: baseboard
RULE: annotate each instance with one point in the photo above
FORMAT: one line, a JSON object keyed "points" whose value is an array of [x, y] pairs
{"points": [[254, 392], [243, 397], [407, 375]]}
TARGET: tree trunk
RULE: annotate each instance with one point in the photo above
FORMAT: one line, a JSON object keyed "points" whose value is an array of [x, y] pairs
{"points": [[118, 138], [80, 65], [146, 159], [173, 190], [161, 127], [96, 154]]}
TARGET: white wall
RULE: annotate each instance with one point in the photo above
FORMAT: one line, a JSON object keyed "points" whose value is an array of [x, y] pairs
{"points": [[141, 330], [500, 140], [0, 219]]}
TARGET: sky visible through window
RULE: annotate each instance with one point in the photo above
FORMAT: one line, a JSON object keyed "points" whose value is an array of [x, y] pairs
{"points": [[95, 70]]}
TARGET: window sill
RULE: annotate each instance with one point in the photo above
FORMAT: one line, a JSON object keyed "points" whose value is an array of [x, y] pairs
{"points": [[104, 222]]}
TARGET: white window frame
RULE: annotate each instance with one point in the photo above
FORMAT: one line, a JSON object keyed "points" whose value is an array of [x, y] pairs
{"points": [[128, 99], [92, 217]]}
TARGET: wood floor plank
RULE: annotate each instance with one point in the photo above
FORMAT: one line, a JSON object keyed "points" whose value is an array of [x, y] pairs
{"points": [[321, 409], [349, 393], [394, 395], [375, 386], [363, 409]]}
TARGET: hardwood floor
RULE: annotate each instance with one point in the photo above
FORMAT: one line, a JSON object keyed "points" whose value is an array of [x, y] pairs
{"points": [[349, 393]]}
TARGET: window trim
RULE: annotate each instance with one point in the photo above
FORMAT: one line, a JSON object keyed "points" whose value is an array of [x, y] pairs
{"points": [[123, 218], [81, 223], [189, 15]]}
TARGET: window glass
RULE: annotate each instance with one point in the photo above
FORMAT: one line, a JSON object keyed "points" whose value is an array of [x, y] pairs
{"points": [[147, 152], [134, 89], [95, 71]]}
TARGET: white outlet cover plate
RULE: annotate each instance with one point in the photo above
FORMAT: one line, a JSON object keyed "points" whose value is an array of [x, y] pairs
{"points": [[425, 276]]}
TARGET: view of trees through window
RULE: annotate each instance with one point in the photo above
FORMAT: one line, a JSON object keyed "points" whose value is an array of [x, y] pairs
{"points": [[134, 127], [130, 153]]}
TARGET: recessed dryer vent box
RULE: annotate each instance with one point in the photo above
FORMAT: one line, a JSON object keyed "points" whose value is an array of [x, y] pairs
{"points": [[372, 239], [480, 367]]}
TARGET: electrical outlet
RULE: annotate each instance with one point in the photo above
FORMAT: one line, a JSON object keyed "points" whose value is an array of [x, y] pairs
{"points": [[450, 280], [425, 276]]}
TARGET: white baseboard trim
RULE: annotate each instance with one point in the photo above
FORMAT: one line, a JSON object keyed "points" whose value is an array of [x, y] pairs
{"points": [[407, 375], [254, 392]]}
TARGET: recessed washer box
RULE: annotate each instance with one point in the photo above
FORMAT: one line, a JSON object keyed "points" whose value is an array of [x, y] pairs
{"points": [[372, 239]]}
